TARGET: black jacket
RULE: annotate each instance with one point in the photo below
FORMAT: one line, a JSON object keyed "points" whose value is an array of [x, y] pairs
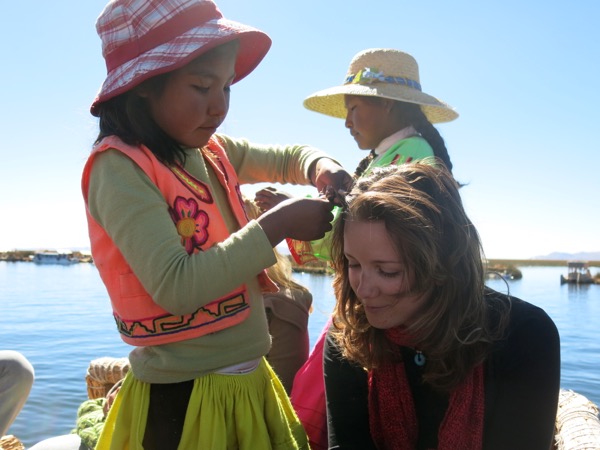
{"points": [[522, 382]]}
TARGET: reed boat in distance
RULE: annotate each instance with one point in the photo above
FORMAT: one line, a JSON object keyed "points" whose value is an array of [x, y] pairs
{"points": [[578, 273], [54, 257]]}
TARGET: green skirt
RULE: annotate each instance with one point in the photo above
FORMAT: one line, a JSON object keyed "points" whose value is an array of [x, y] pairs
{"points": [[246, 412]]}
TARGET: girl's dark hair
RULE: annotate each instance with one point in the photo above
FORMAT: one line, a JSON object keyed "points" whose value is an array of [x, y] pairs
{"points": [[430, 133], [413, 115], [364, 163], [128, 117]]}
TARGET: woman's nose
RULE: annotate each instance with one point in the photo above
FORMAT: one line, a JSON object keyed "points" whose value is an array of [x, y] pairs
{"points": [[366, 288]]}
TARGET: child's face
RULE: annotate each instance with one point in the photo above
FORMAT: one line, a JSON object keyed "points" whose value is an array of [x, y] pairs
{"points": [[195, 98], [369, 120], [379, 276]]}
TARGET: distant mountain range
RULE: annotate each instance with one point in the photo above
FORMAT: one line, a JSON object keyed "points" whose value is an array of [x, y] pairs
{"points": [[583, 256]]}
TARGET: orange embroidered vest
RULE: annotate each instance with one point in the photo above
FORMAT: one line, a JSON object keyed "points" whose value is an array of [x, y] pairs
{"points": [[139, 319]]}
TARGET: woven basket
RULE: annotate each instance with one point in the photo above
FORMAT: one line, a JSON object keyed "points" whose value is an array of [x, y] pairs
{"points": [[9, 442], [577, 423], [103, 373]]}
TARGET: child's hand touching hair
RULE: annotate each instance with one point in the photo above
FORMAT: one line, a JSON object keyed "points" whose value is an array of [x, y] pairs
{"points": [[303, 219], [327, 175]]}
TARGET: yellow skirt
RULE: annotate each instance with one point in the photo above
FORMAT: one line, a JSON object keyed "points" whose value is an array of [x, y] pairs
{"points": [[225, 412]]}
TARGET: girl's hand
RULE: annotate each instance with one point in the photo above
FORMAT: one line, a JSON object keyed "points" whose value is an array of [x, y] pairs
{"points": [[304, 219], [269, 197], [329, 175], [110, 396]]}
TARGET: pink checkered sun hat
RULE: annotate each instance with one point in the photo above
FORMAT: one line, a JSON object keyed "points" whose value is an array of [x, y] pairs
{"points": [[144, 38]]}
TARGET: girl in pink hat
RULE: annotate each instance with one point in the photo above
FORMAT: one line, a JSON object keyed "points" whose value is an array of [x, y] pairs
{"points": [[183, 265]]}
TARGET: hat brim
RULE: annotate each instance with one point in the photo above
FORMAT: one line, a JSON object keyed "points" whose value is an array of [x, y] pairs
{"points": [[254, 45], [331, 101]]}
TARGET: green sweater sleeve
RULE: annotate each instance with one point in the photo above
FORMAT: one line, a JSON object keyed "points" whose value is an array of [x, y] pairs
{"points": [[271, 163]]}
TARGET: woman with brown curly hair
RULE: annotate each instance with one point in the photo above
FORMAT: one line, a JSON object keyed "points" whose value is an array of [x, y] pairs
{"points": [[422, 354]]}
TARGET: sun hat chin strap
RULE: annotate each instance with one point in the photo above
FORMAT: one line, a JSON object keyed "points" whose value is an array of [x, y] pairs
{"points": [[172, 28]]}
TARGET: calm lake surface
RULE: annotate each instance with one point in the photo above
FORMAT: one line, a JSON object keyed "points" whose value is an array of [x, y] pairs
{"points": [[59, 317]]}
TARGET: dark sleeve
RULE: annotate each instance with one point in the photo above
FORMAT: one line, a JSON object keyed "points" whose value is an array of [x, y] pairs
{"points": [[346, 393], [524, 376]]}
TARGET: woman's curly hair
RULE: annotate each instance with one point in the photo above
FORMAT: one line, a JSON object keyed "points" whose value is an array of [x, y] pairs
{"points": [[421, 208]]}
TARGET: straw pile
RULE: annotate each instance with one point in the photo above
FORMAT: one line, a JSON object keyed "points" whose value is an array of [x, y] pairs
{"points": [[9, 442], [103, 373], [577, 423]]}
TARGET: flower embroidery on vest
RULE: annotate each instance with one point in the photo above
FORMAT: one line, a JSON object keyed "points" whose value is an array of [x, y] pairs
{"points": [[191, 223]]}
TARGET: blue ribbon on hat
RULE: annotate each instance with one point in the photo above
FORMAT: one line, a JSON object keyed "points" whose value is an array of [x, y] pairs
{"points": [[371, 75]]}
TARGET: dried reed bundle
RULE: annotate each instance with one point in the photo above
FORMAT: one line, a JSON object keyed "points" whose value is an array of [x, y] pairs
{"points": [[577, 423], [10, 442], [103, 373]]}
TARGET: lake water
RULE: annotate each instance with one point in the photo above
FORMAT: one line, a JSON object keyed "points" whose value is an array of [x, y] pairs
{"points": [[59, 317]]}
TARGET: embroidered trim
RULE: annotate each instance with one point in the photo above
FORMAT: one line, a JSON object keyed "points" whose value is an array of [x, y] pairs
{"points": [[194, 185], [215, 316]]}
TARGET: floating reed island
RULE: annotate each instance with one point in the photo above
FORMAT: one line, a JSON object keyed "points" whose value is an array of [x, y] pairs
{"points": [[29, 256], [318, 266], [507, 269]]}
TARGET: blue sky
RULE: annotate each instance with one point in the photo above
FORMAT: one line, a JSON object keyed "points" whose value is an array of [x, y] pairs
{"points": [[522, 75]]}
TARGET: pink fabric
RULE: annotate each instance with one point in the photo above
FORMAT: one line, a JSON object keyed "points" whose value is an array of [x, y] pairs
{"points": [[308, 395]]}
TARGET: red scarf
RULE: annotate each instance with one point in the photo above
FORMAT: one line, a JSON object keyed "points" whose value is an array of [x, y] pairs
{"points": [[393, 419]]}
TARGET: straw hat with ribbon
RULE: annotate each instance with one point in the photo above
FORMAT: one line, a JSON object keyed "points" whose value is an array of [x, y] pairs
{"points": [[381, 72], [144, 38]]}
